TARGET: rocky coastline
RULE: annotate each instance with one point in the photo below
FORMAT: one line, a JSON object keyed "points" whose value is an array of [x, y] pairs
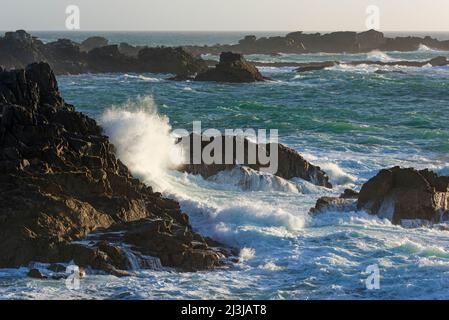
{"points": [[61, 183]]}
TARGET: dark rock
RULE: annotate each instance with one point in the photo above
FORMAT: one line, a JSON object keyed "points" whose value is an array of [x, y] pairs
{"points": [[349, 194], [18, 49], [93, 43], [232, 68], [290, 163], [129, 50], [316, 66], [406, 194], [60, 181], [110, 59], [438, 61], [325, 204], [334, 42], [65, 57], [170, 60], [35, 274]]}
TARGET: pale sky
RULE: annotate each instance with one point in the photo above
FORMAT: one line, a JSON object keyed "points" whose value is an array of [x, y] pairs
{"points": [[225, 15]]}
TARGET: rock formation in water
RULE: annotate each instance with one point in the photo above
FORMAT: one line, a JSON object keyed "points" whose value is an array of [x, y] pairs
{"points": [[406, 194], [401, 195], [290, 163], [439, 61], [94, 55], [335, 42], [231, 68], [93, 43], [60, 182]]}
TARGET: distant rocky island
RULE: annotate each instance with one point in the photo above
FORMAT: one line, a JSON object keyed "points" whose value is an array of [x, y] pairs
{"points": [[97, 55], [334, 42]]}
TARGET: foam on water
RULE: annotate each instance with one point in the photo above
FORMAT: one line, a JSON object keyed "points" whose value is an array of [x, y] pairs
{"points": [[349, 121]]}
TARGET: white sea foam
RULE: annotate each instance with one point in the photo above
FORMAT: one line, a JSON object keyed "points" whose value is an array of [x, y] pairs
{"points": [[142, 139], [337, 175], [377, 55], [141, 77], [247, 179]]}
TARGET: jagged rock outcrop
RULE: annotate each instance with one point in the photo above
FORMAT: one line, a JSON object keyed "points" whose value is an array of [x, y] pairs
{"points": [[65, 57], [406, 194], [290, 163], [170, 60], [60, 181], [232, 68], [18, 49]]}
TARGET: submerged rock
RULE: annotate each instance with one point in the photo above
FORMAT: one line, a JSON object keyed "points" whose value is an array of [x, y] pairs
{"points": [[406, 194], [35, 274], [316, 66], [60, 181], [327, 204], [290, 164], [232, 68]]}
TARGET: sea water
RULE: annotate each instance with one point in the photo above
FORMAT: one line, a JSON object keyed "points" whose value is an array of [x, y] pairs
{"points": [[349, 120]]}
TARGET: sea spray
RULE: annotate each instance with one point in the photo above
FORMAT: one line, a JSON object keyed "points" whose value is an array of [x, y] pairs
{"points": [[142, 138]]}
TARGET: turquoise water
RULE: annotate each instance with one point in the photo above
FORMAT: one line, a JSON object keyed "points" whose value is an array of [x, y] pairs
{"points": [[349, 120]]}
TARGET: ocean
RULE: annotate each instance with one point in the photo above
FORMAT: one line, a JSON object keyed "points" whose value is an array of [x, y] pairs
{"points": [[349, 120]]}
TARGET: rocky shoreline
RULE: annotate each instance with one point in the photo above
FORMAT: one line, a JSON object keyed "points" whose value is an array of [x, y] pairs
{"points": [[60, 182]]}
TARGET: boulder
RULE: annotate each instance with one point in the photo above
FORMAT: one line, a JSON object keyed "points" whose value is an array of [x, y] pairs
{"points": [[35, 274], [290, 163], [93, 43], [326, 204], [60, 181], [232, 68], [406, 194]]}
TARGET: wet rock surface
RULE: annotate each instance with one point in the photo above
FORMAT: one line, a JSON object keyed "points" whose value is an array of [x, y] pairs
{"points": [[290, 163], [406, 194], [60, 181]]}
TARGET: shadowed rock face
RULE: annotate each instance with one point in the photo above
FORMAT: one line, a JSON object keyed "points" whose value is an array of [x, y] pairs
{"points": [[18, 49], [171, 60], [60, 181], [231, 68], [405, 194], [290, 163], [402, 195]]}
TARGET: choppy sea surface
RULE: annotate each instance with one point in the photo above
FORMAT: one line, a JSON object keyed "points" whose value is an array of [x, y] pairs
{"points": [[351, 121]]}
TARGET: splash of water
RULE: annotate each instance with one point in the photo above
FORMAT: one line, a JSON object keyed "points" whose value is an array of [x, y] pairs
{"points": [[142, 138]]}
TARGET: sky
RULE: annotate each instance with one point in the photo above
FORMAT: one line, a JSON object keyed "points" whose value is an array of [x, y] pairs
{"points": [[225, 15]]}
